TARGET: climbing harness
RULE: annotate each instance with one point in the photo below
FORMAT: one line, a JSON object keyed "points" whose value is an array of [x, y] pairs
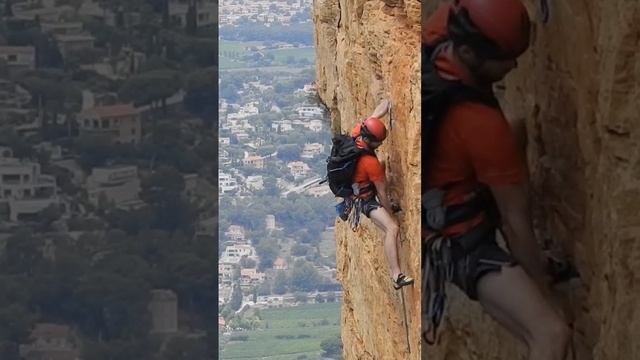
{"points": [[438, 270], [544, 10]]}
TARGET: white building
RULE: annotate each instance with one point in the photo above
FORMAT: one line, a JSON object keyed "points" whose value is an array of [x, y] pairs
{"points": [[282, 126], [225, 272], [310, 111], [233, 253], [50, 341], [315, 125], [24, 188], [298, 168], [206, 12], [270, 222], [235, 233], [311, 150], [116, 185], [250, 278], [13, 95], [19, 57], [255, 182], [226, 183]]}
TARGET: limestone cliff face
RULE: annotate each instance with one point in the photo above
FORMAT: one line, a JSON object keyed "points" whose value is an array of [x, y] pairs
{"points": [[366, 49], [577, 92]]}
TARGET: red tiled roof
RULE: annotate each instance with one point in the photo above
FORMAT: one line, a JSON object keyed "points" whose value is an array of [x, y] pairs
{"points": [[115, 110]]}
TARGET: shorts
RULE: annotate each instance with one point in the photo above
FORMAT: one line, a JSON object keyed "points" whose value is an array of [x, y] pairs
{"points": [[369, 204], [482, 258]]}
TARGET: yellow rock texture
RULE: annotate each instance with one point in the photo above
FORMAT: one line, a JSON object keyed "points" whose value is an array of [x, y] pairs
{"points": [[367, 50], [578, 92]]}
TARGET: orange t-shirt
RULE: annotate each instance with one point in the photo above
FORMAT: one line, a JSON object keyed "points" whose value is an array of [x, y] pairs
{"points": [[368, 168], [474, 145]]}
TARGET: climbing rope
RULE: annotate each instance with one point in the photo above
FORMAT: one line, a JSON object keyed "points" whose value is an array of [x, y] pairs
{"points": [[544, 11]]}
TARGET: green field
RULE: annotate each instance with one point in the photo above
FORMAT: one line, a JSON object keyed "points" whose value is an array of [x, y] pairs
{"points": [[302, 322], [231, 52]]}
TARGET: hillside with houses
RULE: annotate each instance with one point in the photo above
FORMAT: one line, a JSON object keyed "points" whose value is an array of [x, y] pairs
{"points": [[108, 179]]}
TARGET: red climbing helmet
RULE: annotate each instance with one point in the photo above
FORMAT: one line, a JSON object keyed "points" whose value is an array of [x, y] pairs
{"points": [[374, 129], [497, 29]]}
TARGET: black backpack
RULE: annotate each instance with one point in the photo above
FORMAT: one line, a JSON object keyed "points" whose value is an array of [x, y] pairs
{"points": [[438, 95], [341, 164]]}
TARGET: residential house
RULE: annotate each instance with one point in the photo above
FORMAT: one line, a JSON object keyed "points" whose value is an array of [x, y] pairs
{"points": [[270, 222], [255, 182], [254, 161], [225, 272], [73, 43], [206, 12], [235, 233], [18, 58], [63, 28], [13, 95], [226, 183], [318, 191], [233, 253], [50, 341], [298, 168], [311, 150], [310, 111], [116, 185], [163, 307], [315, 125], [250, 278], [280, 264], [24, 188], [121, 123]]}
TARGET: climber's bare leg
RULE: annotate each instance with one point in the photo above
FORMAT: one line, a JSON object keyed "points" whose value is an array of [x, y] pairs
{"points": [[513, 299], [384, 221]]}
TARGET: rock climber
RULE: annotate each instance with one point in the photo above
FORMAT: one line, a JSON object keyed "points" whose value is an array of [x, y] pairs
{"points": [[475, 183], [374, 200]]}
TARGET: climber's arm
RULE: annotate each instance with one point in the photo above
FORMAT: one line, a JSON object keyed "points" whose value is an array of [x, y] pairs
{"points": [[381, 109], [381, 190], [513, 205]]}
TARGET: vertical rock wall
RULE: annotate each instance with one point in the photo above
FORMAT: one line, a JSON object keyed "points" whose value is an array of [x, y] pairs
{"points": [[578, 92], [367, 50]]}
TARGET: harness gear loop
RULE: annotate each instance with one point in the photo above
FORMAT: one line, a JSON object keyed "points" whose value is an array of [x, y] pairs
{"points": [[438, 270]]}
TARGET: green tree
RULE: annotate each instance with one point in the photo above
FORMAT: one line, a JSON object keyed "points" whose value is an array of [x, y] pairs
{"points": [[153, 87], [300, 297], [236, 298], [304, 276], [267, 251], [201, 87], [110, 306], [332, 347], [289, 152], [16, 322], [280, 283]]}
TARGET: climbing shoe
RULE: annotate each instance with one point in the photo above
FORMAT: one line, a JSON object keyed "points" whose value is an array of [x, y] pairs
{"points": [[402, 280]]}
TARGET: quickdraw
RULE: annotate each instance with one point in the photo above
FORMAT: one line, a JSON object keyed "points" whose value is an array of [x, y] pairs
{"points": [[354, 217], [437, 271]]}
